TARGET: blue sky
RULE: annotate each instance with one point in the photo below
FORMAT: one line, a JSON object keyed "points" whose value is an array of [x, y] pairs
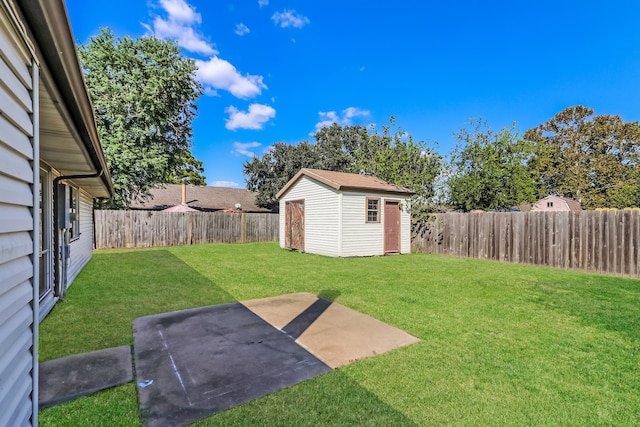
{"points": [[275, 70]]}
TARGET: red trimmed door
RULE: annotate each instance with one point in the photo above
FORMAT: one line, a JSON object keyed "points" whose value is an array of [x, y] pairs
{"points": [[391, 226], [294, 225]]}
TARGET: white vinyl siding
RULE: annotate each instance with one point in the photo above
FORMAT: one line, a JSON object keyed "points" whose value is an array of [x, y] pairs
{"points": [[405, 226], [321, 216], [82, 247], [17, 269], [362, 238], [359, 237]]}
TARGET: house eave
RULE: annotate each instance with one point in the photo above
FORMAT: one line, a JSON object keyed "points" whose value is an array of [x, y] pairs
{"points": [[69, 137]]}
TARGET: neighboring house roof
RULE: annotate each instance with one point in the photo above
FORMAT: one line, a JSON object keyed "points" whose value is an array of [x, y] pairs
{"points": [[343, 181], [69, 139], [571, 204], [203, 198], [179, 208]]}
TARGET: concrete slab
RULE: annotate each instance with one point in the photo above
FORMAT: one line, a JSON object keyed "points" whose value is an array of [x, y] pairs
{"points": [[335, 334], [279, 311], [70, 377], [194, 363]]}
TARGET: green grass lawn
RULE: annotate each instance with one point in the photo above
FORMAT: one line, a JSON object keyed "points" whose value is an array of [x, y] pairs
{"points": [[501, 344]]}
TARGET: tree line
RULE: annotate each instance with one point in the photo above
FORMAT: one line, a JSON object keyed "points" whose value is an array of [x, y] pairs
{"points": [[144, 94], [575, 154]]}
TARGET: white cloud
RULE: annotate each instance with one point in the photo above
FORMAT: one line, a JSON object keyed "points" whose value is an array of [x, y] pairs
{"points": [[289, 18], [213, 73], [242, 29], [327, 118], [225, 184], [179, 26], [217, 73], [262, 3], [243, 148], [255, 118], [180, 11], [185, 36], [351, 112]]}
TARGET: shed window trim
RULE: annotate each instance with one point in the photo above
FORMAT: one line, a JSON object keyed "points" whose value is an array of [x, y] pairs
{"points": [[372, 210]]}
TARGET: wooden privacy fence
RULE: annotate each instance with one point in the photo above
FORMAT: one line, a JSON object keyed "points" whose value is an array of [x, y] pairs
{"points": [[597, 241], [145, 229]]}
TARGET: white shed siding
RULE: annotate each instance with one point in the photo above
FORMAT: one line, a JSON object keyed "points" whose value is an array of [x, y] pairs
{"points": [[364, 239], [360, 238], [17, 225], [405, 226], [321, 216], [81, 248]]}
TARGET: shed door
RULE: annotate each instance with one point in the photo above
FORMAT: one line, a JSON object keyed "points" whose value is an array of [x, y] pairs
{"points": [[391, 226], [294, 225]]}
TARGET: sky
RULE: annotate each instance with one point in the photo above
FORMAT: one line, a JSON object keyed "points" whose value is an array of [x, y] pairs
{"points": [[278, 70]]}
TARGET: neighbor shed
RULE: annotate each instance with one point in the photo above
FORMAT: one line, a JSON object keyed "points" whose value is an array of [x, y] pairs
{"points": [[343, 214]]}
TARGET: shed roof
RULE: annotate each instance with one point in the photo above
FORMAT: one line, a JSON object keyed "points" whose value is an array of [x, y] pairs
{"points": [[343, 181], [203, 198]]}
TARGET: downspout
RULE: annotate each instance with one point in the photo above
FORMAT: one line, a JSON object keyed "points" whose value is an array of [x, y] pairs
{"points": [[35, 94], [60, 285]]}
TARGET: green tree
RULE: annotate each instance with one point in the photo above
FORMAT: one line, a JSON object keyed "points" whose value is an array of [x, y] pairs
{"points": [[337, 146], [489, 170], [144, 94], [397, 158], [268, 174], [189, 172], [590, 158]]}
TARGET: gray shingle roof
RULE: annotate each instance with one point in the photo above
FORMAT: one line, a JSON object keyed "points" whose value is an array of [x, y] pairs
{"points": [[202, 198]]}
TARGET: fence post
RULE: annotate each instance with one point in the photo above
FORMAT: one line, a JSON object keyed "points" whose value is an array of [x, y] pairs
{"points": [[243, 226]]}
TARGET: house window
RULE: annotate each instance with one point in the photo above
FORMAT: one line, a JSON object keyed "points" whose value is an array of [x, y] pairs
{"points": [[74, 213], [373, 210], [549, 204]]}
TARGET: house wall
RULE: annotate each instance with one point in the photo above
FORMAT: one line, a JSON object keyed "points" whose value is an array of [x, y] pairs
{"points": [[82, 248], [18, 260], [360, 238], [321, 216]]}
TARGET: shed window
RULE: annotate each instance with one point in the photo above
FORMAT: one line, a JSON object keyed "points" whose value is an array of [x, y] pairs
{"points": [[74, 213], [549, 204], [373, 210]]}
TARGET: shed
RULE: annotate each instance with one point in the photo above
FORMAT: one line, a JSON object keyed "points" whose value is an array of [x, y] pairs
{"points": [[51, 168], [343, 214], [554, 203]]}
